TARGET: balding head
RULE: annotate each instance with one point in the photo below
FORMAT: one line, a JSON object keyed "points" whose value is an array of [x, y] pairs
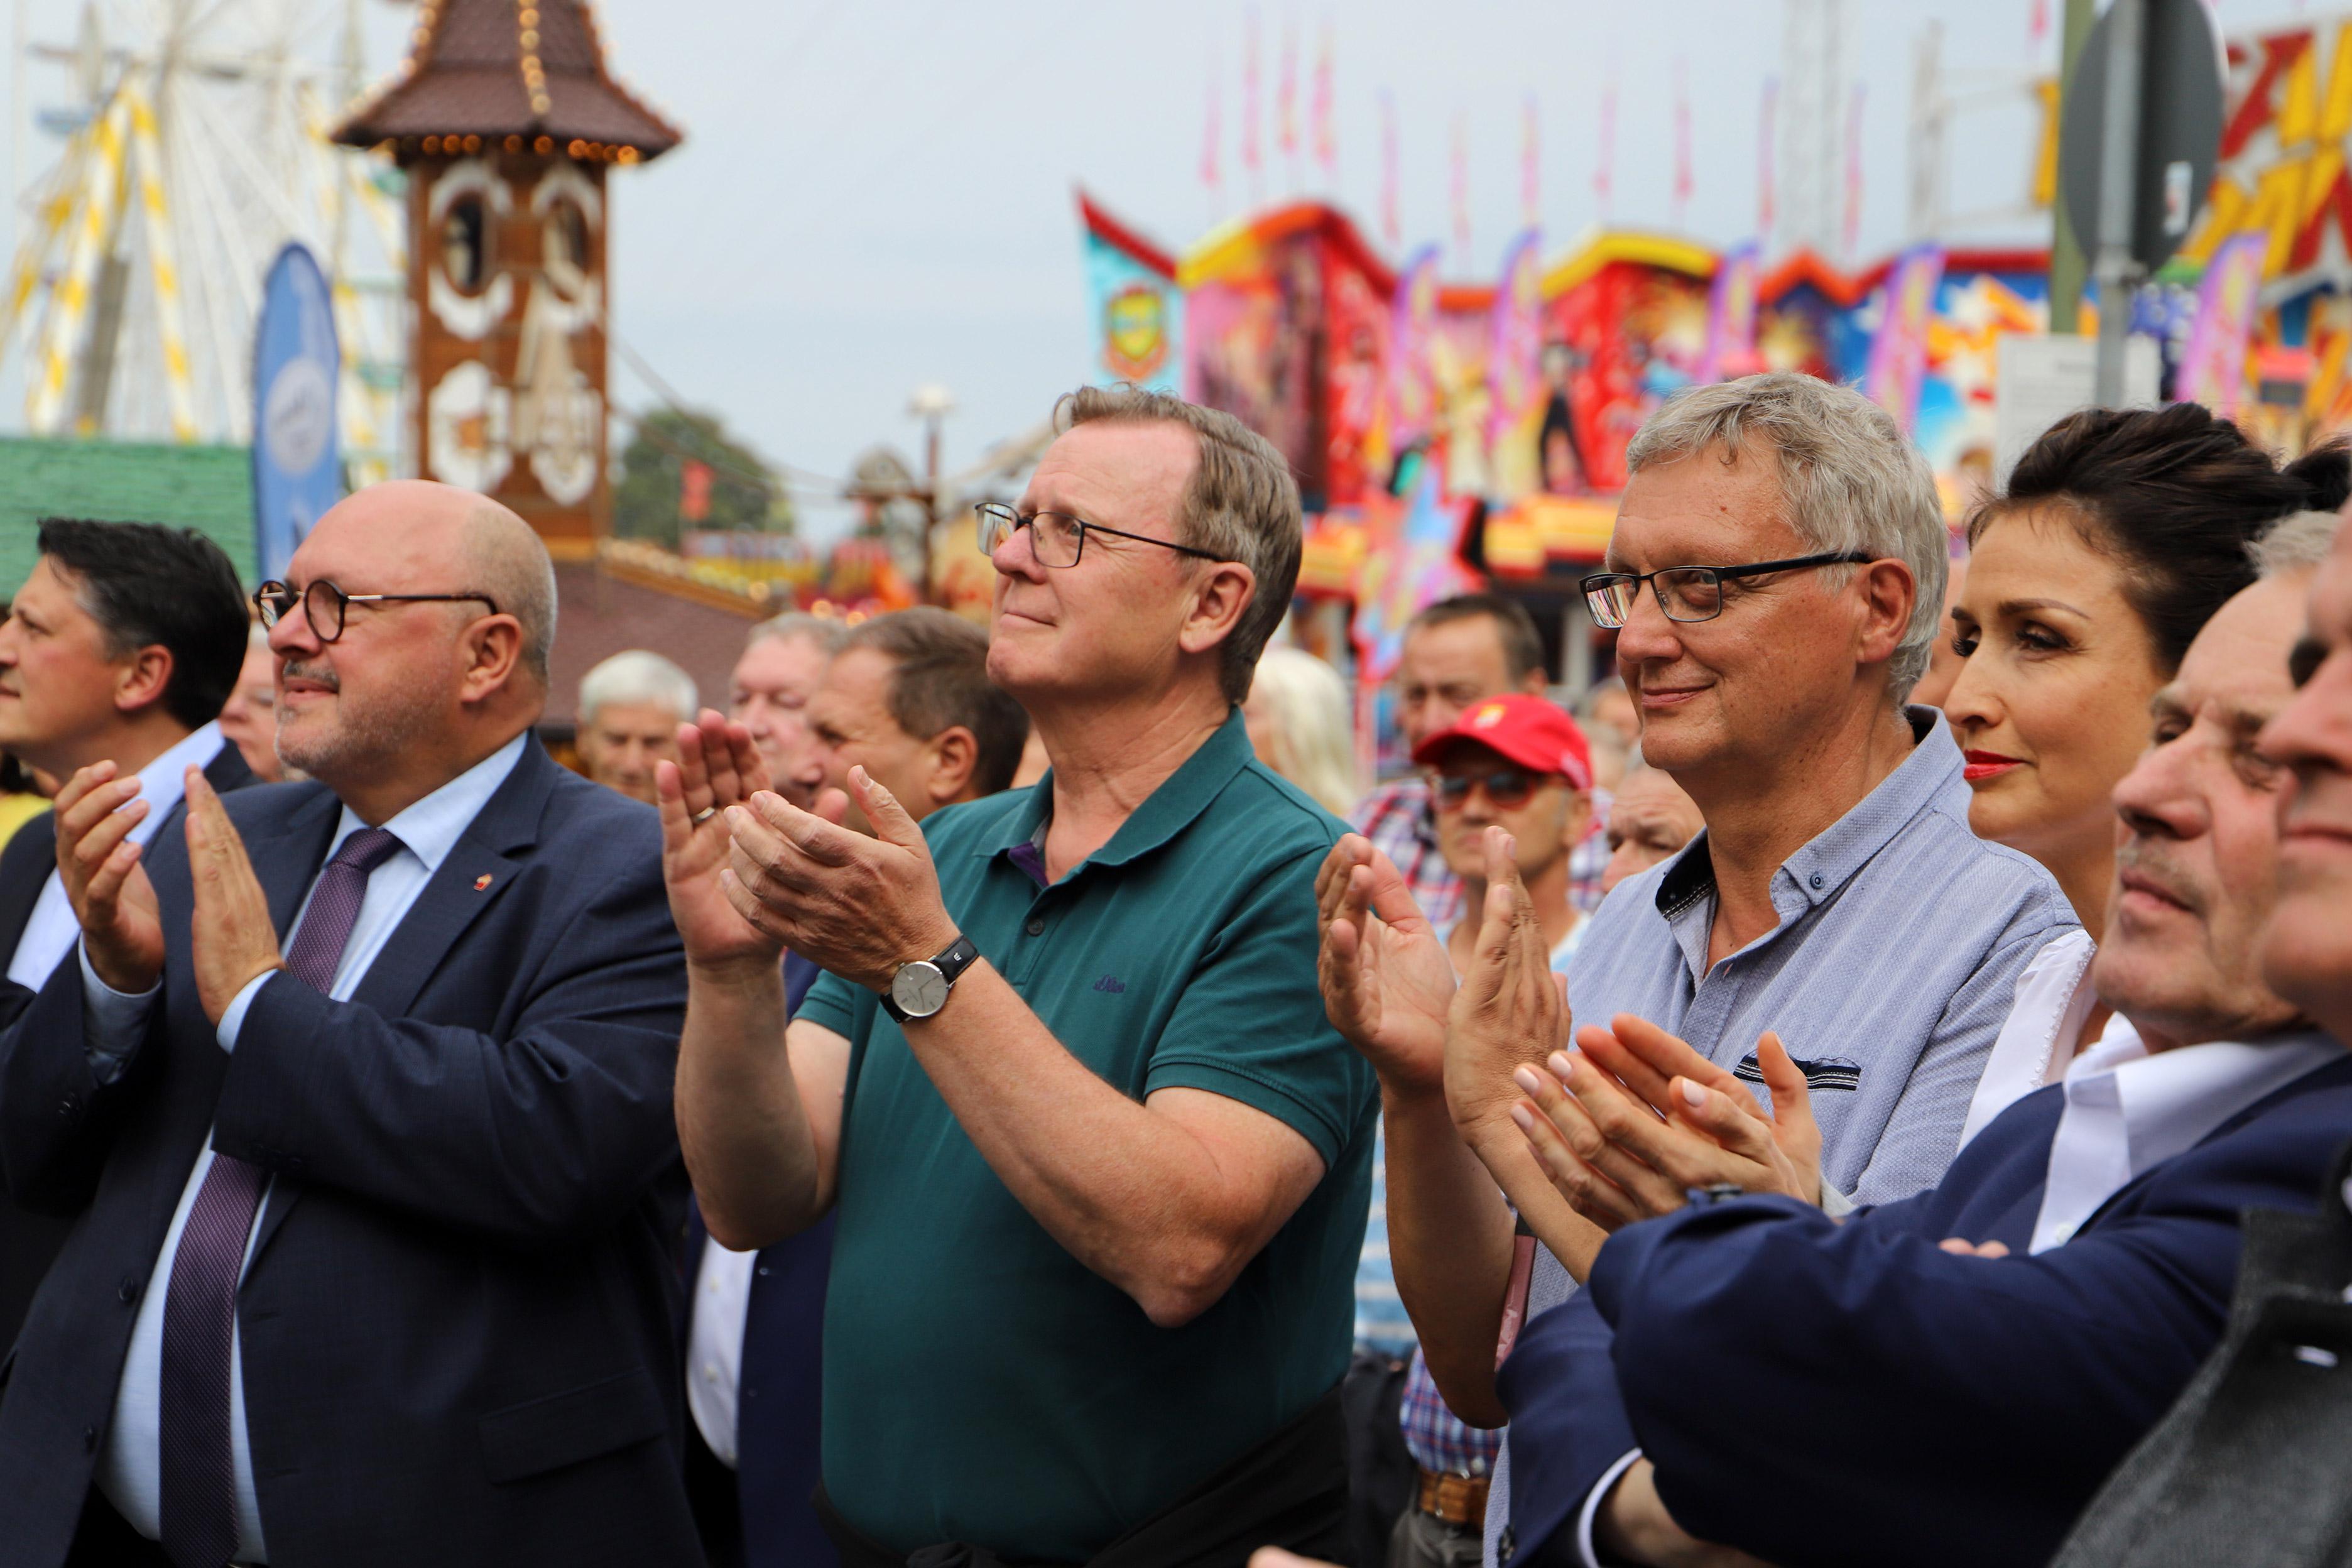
{"points": [[511, 565], [442, 656]]}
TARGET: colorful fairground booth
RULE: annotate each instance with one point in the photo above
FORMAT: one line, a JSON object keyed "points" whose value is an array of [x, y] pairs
{"points": [[1445, 434]]}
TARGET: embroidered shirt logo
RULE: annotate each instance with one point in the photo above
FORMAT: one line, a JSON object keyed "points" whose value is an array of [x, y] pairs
{"points": [[1112, 983]]}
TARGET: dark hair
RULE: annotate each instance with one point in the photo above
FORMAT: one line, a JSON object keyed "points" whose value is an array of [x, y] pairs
{"points": [[2175, 495], [939, 679], [1522, 646], [145, 583]]}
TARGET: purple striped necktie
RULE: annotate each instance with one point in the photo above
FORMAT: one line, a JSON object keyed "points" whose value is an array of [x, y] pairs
{"points": [[199, 1475]]}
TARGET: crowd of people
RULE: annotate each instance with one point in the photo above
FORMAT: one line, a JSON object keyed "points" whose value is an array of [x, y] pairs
{"points": [[1019, 1096]]}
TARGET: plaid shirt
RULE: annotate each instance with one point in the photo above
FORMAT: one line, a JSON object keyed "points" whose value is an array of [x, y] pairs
{"points": [[1401, 820], [1436, 1437]]}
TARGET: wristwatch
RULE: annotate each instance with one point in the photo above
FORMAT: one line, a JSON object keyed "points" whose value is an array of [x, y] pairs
{"points": [[920, 989]]}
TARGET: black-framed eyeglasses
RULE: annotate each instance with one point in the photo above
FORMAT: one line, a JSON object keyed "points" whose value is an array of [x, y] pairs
{"points": [[1690, 592], [323, 604], [1056, 538]]}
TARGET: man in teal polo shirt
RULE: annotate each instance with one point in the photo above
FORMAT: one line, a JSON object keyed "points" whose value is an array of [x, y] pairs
{"points": [[1100, 1161]]}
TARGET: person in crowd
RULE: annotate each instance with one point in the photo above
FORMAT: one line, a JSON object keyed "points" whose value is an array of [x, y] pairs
{"points": [[782, 665], [2118, 534], [1651, 817], [119, 648], [21, 797], [909, 699], [1100, 1164], [361, 1088], [1944, 656], [1521, 764], [1777, 571], [1455, 652], [1612, 730], [248, 720], [1302, 724], [1972, 1362], [2307, 951], [630, 708]]}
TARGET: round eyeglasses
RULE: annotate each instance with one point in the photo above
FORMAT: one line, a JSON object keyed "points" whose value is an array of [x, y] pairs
{"points": [[324, 605], [1690, 592], [1056, 538]]}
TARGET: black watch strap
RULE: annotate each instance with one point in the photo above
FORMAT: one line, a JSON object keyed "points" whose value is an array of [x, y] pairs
{"points": [[958, 956]]}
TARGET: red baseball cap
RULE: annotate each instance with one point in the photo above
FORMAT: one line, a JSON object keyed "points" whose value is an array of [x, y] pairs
{"points": [[1538, 736]]}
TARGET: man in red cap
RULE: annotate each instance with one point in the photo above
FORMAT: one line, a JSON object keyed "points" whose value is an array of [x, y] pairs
{"points": [[1520, 763]]}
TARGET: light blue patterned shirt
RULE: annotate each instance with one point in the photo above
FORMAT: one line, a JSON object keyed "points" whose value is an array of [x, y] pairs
{"points": [[1901, 938]]}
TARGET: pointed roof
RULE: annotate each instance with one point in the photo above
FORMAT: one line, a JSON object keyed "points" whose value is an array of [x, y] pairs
{"points": [[521, 68]]}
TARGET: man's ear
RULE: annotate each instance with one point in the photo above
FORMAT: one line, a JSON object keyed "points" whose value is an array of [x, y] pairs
{"points": [[1888, 593], [955, 758], [489, 652], [141, 680], [1220, 595], [1534, 682]]}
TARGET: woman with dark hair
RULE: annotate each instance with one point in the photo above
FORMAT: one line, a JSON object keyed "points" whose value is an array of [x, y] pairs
{"points": [[2117, 536]]}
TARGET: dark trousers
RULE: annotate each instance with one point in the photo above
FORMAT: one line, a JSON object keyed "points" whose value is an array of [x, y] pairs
{"points": [[717, 1507], [1381, 1472], [104, 1539]]}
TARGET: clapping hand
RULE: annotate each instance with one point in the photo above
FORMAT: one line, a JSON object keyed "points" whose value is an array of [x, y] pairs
{"points": [[1512, 1010], [1633, 1119], [859, 907], [98, 865], [1385, 977], [718, 767], [234, 938]]}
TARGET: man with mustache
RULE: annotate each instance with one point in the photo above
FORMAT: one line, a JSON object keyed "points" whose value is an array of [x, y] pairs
{"points": [[362, 1087], [1972, 1362], [1777, 574]]}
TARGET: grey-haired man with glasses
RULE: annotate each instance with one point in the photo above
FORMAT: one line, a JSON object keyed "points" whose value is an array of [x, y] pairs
{"points": [[1775, 579], [1098, 1161]]}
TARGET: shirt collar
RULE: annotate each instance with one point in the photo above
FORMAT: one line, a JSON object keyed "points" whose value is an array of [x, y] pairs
{"points": [[430, 828], [1167, 811], [2170, 1100], [163, 783], [1816, 873]]}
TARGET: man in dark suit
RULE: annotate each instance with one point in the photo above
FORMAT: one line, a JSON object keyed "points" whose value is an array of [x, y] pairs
{"points": [[1968, 1363], [906, 697], [121, 646], [363, 1085]]}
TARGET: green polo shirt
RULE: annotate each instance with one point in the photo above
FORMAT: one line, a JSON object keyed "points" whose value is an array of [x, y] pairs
{"points": [[980, 1383]]}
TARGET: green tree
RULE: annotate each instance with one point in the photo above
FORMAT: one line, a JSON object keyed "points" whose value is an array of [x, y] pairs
{"points": [[743, 494]]}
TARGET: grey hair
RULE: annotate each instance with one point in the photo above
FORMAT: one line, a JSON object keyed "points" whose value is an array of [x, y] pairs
{"points": [[2298, 543], [1850, 479], [636, 675], [1314, 729], [512, 563], [1242, 505], [823, 630]]}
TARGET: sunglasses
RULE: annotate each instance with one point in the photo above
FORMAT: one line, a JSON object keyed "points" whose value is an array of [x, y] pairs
{"points": [[1506, 788]]}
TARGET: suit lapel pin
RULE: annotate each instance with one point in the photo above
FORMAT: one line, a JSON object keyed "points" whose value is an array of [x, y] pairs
{"points": [[481, 881]]}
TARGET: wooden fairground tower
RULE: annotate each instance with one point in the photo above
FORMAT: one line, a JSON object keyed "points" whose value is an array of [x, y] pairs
{"points": [[505, 123]]}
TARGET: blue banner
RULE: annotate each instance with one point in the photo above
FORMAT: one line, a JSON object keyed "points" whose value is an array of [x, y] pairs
{"points": [[1139, 317], [297, 471]]}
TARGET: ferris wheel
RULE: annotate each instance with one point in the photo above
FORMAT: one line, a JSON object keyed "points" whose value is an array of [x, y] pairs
{"points": [[189, 145]]}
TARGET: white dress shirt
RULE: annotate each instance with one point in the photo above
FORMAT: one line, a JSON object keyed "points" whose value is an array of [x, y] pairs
{"points": [[51, 930], [2127, 1110], [714, 1346], [129, 1471]]}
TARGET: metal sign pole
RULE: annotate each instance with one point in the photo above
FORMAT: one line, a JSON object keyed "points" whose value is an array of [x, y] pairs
{"points": [[2117, 272]]}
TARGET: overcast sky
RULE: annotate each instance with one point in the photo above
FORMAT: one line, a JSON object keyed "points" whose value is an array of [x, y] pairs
{"points": [[874, 195]]}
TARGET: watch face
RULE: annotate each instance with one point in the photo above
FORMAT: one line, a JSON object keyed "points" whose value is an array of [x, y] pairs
{"points": [[920, 989]]}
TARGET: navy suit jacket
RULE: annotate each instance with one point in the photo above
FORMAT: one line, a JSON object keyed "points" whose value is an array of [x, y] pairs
{"points": [[29, 1241], [1815, 1392], [456, 1317]]}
